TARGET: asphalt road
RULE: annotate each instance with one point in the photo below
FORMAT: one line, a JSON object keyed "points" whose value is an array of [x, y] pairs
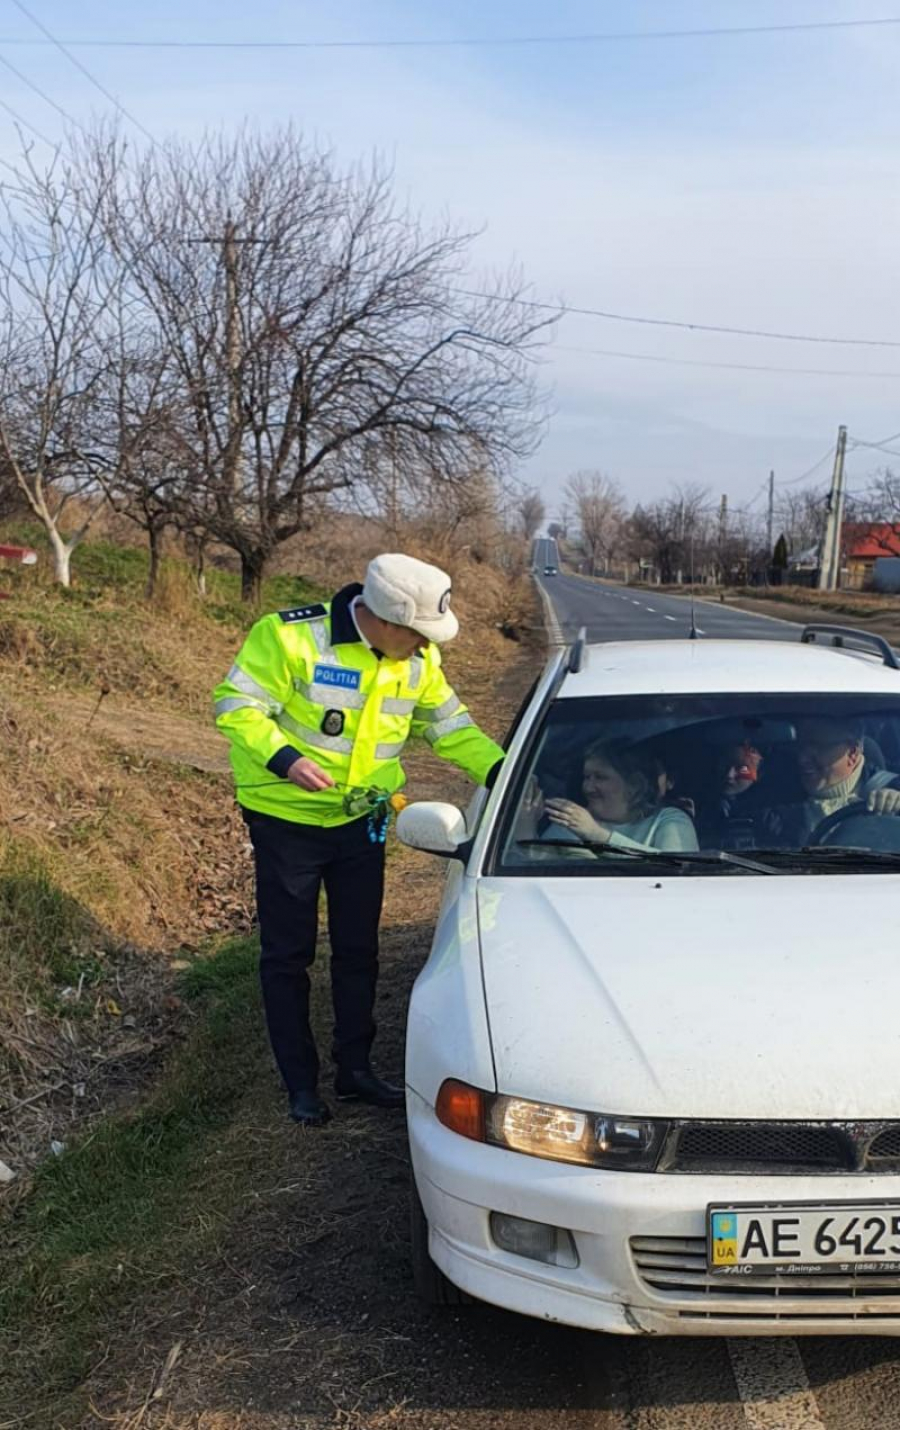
{"points": [[821, 1383], [625, 613]]}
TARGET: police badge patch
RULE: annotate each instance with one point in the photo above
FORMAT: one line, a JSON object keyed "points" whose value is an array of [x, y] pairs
{"points": [[332, 722]]}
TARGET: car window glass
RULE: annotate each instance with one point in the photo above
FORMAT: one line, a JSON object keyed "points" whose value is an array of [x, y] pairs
{"points": [[611, 784]]}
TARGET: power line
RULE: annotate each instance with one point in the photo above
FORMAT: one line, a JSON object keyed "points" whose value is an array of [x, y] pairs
{"points": [[51, 39], [878, 447], [45, 97], [562, 309], [729, 366], [482, 41], [26, 124], [795, 481], [881, 446]]}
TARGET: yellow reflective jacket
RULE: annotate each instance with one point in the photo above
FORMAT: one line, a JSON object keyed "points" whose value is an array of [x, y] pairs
{"points": [[304, 683]]}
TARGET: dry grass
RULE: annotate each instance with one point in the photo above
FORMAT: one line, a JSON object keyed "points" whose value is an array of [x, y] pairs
{"points": [[201, 1221], [864, 604], [108, 862], [120, 847]]}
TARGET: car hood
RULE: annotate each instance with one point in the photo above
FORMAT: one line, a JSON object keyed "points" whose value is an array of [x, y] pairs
{"points": [[714, 997]]}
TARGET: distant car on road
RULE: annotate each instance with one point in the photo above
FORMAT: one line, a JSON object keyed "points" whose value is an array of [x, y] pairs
{"points": [[551, 571], [652, 1058]]}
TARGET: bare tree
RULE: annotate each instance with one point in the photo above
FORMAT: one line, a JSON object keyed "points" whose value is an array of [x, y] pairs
{"points": [[55, 289], [144, 476], [673, 534], [801, 515], [308, 319], [531, 513], [880, 502], [600, 513]]}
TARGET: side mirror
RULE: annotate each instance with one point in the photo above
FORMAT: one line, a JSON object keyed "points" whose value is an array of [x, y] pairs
{"points": [[434, 828]]}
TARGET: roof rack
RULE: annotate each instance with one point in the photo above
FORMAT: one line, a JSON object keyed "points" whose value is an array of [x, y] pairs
{"points": [[844, 636], [578, 653]]}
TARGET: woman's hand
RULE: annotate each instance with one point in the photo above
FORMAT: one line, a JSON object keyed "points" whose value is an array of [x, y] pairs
{"points": [[575, 817], [531, 811]]}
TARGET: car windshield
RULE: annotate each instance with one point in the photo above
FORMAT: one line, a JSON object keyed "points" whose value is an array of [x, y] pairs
{"points": [[708, 784]]}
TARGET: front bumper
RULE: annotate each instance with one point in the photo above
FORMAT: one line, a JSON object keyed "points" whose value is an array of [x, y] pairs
{"points": [[640, 1240]]}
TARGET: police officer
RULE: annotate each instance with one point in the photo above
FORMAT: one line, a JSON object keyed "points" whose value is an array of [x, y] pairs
{"points": [[318, 708]]}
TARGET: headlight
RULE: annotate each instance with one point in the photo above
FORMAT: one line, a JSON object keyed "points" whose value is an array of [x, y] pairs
{"points": [[561, 1134]]}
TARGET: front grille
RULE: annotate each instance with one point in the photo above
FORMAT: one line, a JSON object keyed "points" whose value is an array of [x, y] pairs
{"points": [[675, 1269], [759, 1147], [886, 1146]]}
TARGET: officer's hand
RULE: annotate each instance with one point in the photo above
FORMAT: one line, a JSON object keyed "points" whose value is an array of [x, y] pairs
{"points": [[884, 801], [306, 774]]}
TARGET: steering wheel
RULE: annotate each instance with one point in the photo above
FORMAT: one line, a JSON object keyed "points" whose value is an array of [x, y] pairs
{"points": [[820, 835]]}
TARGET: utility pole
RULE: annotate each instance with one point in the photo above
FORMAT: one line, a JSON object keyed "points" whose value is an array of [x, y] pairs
{"points": [[830, 564], [770, 518], [228, 239], [723, 535], [232, 350]]}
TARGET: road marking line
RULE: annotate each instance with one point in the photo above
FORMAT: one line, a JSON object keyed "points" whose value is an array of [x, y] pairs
{"points": [[554, 629], [635, 603], [699, 632], [650, 608], [773, 1385], [669, 618], [724, 609]]}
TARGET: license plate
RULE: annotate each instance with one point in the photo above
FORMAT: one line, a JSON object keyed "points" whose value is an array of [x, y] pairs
{"points": [[803, 1239]]}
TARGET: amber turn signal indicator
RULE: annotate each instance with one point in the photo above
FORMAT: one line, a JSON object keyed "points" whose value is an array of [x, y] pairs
{"points": [[461, 1108]]}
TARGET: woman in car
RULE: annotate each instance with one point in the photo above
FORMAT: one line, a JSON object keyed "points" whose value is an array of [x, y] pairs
{"points": [[624, 787]]}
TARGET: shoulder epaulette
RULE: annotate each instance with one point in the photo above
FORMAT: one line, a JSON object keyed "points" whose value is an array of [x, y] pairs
{"points": [[304, 613]]}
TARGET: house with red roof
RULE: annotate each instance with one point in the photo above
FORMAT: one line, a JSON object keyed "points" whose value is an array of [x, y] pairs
{"points": [[863, 544]]}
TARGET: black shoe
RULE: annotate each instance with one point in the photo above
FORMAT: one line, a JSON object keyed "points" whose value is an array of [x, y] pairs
{"points": [[308, 1109], [364, 1086]]}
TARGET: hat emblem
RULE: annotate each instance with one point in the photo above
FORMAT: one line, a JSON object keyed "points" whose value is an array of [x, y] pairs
{"points": [[444, 602]]}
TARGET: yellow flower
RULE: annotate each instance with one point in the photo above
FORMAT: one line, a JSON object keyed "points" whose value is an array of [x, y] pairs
{"points": [[398, 802]]}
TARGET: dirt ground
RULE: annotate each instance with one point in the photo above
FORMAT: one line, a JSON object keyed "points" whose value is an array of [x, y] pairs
{"points": [[304, 1317]]}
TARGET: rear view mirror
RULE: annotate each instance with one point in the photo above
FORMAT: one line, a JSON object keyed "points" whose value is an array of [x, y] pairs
{"points": [[434, 828]]}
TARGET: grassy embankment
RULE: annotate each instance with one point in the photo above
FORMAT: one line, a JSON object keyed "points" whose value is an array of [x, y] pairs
{"points": [[112, 861], [113, 858]]}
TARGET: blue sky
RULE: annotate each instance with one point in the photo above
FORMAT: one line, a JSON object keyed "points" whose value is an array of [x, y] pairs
{"points": [[751, 181]]}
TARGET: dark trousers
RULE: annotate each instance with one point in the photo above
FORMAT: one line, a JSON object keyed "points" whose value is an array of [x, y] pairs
{"points": [[293, 861]]}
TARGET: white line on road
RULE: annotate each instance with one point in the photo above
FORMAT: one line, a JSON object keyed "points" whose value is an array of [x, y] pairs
{"points": [[669, 618], [773, 1385], [724, 609], [635, 603], [554, 630], [650, 608]]}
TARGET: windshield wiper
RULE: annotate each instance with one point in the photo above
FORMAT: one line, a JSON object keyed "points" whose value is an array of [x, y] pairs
{"points": [[845, 854], [658, 856]]}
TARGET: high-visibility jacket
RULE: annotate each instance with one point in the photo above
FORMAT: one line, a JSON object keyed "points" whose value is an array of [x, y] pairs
{"points": [[305, 683]]}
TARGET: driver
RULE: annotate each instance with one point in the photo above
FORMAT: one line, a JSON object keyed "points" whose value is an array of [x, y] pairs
{"points": [[833, 774]]}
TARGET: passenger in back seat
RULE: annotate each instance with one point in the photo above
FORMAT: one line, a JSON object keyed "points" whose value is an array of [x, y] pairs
{"points": [[728, 812]]}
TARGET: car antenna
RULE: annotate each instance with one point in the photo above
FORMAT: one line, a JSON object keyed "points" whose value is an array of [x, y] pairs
{"points": [[693, 631]]}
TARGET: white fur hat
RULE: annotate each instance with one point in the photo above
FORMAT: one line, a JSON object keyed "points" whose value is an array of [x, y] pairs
{"points": [[411, 593]]}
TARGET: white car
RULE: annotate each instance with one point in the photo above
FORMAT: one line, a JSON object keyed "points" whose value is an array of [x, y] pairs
{"points": [[653, 1060]]}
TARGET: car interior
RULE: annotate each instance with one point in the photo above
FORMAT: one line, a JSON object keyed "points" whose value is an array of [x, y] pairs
{"points": [[694, 751]]}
